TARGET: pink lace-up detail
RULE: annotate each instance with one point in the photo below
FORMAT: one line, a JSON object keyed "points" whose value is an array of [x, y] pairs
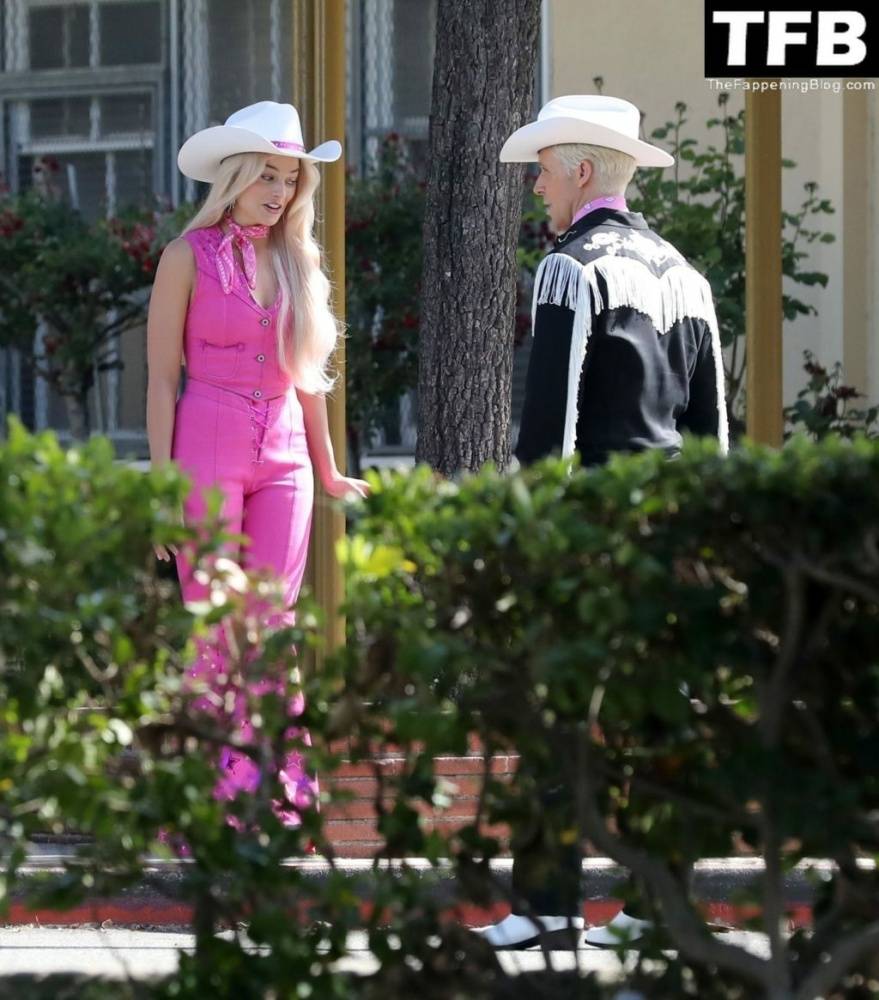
{"points": [[241, 237], [259, 424]]}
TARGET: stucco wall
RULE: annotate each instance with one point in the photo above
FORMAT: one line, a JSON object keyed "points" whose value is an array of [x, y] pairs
{"points": [[651, 52]]}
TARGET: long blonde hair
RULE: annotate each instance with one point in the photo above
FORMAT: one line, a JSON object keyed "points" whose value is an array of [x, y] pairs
{"points": [[307, 329]]}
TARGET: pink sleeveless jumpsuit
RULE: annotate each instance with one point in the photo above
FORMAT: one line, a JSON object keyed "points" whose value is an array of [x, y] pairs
{"points": [[239, 427]]}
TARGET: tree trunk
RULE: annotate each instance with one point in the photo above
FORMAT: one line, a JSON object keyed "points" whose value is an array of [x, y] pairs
{"points": [[483, 87], [77, 417]]}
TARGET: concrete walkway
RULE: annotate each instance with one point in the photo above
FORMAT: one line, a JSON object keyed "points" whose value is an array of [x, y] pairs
{"points": [[141, 955]]}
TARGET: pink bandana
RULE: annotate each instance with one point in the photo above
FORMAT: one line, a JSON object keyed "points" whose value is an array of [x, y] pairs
{"points": [[239, 236], [616, 201]]}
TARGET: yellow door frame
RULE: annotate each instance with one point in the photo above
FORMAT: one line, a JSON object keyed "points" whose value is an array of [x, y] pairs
{"points": [[763, 277]]}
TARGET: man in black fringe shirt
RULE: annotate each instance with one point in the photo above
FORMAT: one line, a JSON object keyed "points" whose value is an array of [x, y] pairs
{"points": [[625, 356]]}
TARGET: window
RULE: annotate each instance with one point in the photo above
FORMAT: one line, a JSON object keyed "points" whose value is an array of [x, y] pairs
{"points": [[58, 36], [84, 84], [390, 75], [95, 98], [129, 33]]}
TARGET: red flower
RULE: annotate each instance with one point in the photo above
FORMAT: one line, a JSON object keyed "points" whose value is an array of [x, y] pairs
{"points": [[10, 223], [846, 392]]}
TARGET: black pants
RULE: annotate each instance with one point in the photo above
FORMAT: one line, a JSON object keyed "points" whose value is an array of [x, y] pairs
{"points": [[547, 855]]}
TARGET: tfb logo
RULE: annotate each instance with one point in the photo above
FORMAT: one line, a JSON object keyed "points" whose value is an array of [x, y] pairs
{"points": [[789, 39]]}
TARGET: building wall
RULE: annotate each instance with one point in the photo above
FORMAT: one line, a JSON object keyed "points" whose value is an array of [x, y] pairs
{"points": [[651, 52]]}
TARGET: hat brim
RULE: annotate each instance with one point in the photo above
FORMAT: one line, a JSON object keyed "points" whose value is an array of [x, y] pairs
{"points": [[201, 155], [525, 143]]}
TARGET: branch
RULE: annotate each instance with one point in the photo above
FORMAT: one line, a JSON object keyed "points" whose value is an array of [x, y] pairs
{"points": [[55, 320], [119, 324], [775, 698], [817, 744], [842, 581], [666, 794], [686, 928], [849, 950], [773, 899], [845, 892]]}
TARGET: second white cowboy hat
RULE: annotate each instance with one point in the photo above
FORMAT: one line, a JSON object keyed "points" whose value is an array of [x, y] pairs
{"points": [[585, 118], [265, 127]]}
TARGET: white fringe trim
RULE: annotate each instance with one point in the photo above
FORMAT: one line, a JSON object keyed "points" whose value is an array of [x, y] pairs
{"points": [[679, 293], [720, 382]]}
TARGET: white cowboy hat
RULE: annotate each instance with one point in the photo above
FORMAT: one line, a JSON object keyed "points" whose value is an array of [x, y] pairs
{"points": [[584, 118], [265, 127]]}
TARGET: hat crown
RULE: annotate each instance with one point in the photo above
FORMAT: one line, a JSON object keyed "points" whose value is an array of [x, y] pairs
{"points": [[609, 112], [273, 121]]}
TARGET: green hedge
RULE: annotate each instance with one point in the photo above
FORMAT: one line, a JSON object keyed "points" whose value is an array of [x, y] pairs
{"points": [[98, 735], [566, 616], [691, 644]]}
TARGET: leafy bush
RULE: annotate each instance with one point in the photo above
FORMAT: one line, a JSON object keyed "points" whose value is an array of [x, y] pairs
{"points": [[690, 645], [100, 734], [823, 405], [699, 206], [86, 282], [93, 647], [384, 214]]}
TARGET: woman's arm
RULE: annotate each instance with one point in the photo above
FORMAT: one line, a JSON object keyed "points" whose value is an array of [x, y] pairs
{"points": [[320, 448], [167, 317]]}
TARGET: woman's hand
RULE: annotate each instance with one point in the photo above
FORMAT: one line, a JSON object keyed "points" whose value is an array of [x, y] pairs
{"points": [[341, 487], [320, 448], [164, 552]]}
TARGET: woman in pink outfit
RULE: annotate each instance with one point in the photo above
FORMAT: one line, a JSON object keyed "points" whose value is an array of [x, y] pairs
{"points": [[241, 301]]}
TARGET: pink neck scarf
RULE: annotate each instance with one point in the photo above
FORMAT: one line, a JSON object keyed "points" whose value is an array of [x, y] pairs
{"points": [[238, 236], [615, 201]]}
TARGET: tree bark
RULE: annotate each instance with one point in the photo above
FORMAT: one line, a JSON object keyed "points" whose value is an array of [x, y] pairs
{"points": [[483, 89]]}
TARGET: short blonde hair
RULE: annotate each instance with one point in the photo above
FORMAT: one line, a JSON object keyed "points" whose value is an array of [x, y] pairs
{"points": [[613, 169]]}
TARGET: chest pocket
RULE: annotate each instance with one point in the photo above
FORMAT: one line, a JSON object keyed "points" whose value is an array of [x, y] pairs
{"points": [[219, 361]]}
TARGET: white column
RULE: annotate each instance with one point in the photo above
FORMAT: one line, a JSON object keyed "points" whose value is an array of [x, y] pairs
{"points": [[196, 54], [174, 96], [378, 57], [17, 36], [545, 54], [94, 36], [275, 47], [41, 387]]}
